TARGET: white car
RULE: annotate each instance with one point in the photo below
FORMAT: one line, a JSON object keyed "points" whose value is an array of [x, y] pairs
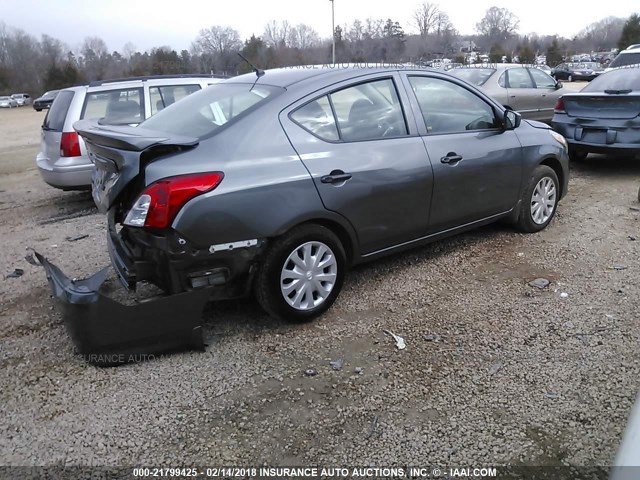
{"points": [[629, 452], [8, 102]]}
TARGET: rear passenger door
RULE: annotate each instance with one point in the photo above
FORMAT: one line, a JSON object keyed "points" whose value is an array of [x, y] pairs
{"points": [[367, 162]]}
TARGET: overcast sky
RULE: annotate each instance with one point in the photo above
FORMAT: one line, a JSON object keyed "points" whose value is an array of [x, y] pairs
{"points": [[149, 23]]}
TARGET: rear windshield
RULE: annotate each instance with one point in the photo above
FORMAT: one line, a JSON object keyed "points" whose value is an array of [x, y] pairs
{"points": [[625, 59], [203, 113], [475, 76], [622, 79], [58, 112]]}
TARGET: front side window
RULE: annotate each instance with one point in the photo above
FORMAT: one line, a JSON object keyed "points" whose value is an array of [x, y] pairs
{"points": [[162, 97], [449, 108], [115, 107], [317, 118], [542, 79], [369, 111], [519, 78]]}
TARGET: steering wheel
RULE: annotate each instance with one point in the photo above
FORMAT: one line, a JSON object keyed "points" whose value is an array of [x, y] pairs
{"points": [[386, 127]]}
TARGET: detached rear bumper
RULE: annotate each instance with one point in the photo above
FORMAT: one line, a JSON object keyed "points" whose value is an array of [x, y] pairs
{"points": [[108, 333]]}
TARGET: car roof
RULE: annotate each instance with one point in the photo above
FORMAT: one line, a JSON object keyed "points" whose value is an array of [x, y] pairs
{"points": [[288, 76]]}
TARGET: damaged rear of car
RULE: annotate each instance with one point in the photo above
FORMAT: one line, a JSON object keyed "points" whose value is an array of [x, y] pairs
{"points": [[143, 178]]}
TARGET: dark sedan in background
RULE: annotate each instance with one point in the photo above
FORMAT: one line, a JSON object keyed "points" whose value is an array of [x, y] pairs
{"points": [[604, 117], [577, 71], [45, 101]]}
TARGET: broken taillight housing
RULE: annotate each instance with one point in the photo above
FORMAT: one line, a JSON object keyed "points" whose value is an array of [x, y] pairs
{"points": [[161, 201], [559, 108]]}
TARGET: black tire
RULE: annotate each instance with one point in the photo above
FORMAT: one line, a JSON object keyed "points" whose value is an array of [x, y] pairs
{"points": [[577, 155], [38, 109], [525, 222], [267, 285]]}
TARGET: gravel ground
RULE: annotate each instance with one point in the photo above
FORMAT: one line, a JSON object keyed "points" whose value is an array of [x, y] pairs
{"points": [[513, 375]]}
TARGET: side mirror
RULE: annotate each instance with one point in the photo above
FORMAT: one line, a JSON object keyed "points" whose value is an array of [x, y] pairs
{"points": [[558, 85], [511, 120]]}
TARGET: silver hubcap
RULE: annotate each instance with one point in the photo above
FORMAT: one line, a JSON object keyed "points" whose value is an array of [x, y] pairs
{"points": [[543, 200], [308, 275]]}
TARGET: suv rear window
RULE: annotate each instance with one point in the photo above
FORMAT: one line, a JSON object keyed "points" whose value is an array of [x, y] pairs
{"points": [[115, 107], [624, 59], [58, 111], [203, 113]]}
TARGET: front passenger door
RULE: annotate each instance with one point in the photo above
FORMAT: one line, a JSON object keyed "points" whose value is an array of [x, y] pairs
{"points": [[523, 95], [477, 166]]}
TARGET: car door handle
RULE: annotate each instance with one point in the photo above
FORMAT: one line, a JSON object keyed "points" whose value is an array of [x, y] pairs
{"points": [[451, 157], [336, 176]]}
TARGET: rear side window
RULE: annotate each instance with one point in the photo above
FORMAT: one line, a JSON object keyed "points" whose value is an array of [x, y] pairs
{"points": [[475, 76], [115, 107], [624, 59], [369, 111], [58, 111], [317, 118], [162, 97]]}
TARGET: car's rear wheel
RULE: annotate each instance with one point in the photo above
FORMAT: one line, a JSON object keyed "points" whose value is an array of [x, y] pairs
{"points": [[302, 273], [539, 200]]}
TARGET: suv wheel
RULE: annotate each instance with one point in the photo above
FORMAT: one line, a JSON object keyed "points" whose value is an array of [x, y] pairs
{"points": [[302, 274], [539, 200]]}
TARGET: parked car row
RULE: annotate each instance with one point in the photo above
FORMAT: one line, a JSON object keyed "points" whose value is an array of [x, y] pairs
{"points": [[15, 100], [577, 71]]}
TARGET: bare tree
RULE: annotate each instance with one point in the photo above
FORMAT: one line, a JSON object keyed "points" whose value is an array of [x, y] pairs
{"points": [[303, 36], [426, 17], [277, 34], [217, 40], [373, 28], [498, 24]]}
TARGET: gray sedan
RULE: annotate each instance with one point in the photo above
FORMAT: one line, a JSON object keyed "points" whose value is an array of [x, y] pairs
{"points": [[277, 182], [527, 90]]}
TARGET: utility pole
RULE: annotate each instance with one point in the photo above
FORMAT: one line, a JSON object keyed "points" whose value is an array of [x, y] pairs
{"points": [[333, 31]]}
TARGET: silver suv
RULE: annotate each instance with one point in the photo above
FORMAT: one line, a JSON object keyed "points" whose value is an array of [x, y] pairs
{"points": [[63, 161]]}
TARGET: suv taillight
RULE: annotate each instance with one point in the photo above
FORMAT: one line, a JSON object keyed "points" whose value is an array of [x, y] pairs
{"points": [[559, 108], [69, 145], [159, 203]]}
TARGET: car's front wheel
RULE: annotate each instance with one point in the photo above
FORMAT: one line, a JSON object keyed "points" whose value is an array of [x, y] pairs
{"points": [[302, 273], [539, 200]]}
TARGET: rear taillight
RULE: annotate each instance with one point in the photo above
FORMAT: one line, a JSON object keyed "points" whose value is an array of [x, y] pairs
{"points": [[559, 108], [69, 145], [160, 202]]}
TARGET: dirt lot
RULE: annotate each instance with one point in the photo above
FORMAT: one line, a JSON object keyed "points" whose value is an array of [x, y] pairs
{"points": [[517, 375]]}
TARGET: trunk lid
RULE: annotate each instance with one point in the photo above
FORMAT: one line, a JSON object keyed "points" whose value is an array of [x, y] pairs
{"points": [[615, 105], [120, 154]]}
